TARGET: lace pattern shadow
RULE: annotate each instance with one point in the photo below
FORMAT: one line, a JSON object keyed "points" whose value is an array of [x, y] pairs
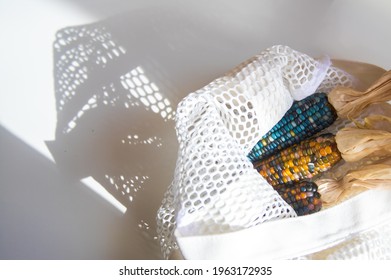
{"points": [[117, 84]]}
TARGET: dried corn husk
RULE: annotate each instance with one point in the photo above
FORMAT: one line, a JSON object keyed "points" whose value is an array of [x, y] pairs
{"points": [[367, 177], [342, 168], [383, 109], [357, 143], [349, 103], [378, 122]]}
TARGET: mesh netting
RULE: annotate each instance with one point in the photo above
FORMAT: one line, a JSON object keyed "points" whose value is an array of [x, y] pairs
{"points": [[374, 244], [215, 187]]}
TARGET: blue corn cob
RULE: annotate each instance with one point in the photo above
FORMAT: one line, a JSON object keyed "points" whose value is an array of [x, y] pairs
{"points": [[304, 119]]}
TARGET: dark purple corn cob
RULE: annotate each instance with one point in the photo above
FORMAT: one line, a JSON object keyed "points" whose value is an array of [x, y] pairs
{"points": [[302, 196]]}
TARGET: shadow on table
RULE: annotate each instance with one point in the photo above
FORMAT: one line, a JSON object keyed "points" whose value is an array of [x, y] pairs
{"points": [[117, 84]]}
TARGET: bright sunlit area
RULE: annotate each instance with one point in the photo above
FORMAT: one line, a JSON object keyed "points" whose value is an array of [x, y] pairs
{"points": [[73, 107], [88, 98]]}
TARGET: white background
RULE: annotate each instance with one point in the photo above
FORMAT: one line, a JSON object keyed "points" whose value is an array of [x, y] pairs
{"points": [[48, 212]]}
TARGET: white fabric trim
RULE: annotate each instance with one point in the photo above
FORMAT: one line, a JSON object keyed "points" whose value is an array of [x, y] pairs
{"points": [[294, 237]]}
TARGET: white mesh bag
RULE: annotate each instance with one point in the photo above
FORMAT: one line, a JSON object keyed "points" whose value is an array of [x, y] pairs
{"points": [[218, 206]]}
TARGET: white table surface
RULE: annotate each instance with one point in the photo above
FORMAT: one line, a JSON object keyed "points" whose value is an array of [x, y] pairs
{"points": [[94, 194]]}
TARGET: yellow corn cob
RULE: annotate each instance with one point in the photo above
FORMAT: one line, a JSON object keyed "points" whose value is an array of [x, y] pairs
{"points": [[301, 161]]}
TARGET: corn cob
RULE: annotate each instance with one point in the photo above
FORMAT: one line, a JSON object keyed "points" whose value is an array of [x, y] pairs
{"points": [[302, 196], [304, 119], [301, 161]]}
